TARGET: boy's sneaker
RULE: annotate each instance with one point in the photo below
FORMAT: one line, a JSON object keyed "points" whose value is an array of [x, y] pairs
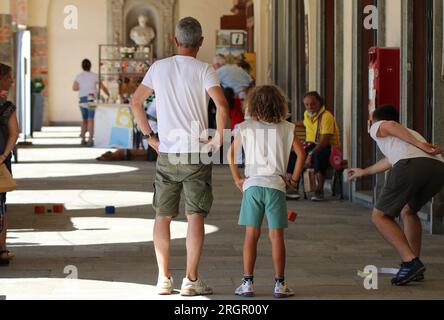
{"points": [[246, 289], [197, 288], [409, 272], [282, 291], [165, 286], [419, 278]]}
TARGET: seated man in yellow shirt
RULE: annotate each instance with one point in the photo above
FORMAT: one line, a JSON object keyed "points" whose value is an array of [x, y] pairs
{"points": [[319, 140]]}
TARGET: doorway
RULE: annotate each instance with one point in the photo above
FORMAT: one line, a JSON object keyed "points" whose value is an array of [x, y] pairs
{"points": [[328, 85], [365, 145], [422, 69]]}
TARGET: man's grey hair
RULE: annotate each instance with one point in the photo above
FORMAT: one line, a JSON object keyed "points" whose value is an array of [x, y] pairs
{"points": [[189, 32]]}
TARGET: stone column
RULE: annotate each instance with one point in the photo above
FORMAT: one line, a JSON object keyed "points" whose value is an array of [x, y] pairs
{"points": [[381, 39], [406, 63], [437, 211]]}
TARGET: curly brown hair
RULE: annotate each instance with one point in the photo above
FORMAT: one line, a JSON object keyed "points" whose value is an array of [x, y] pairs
{"points": [[268, 104]]}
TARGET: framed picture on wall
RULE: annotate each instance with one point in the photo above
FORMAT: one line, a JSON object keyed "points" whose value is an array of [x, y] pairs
{"points": [[237, 39]]}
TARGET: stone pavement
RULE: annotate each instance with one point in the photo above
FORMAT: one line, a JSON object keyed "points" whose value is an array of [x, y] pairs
{"points": [[113, 256]]}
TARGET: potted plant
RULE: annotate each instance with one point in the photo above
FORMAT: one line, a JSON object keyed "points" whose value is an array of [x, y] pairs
{"points": [[37, 103], [37, 85]]}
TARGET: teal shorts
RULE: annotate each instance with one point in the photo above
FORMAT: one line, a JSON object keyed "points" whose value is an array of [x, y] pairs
{"points": [[258, 202]]}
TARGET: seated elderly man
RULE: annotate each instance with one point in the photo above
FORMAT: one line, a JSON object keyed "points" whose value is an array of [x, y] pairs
{"points": [[321, 134]]}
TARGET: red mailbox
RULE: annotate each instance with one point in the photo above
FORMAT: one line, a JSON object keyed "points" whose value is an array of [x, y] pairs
{"points": [[384, 77]]}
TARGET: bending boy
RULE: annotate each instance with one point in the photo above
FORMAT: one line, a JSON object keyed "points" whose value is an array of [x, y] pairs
{"points": [[416, 176]]}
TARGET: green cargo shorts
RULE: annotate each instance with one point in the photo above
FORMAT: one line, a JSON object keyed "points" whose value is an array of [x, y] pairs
{"points": [[194, 179]]}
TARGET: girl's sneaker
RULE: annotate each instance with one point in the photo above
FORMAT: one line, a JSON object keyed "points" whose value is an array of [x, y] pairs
{"points": [[246, 290], [282, 291]]}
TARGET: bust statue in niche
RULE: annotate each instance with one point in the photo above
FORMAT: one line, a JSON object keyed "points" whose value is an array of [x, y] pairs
{"points": [[143, 34]]}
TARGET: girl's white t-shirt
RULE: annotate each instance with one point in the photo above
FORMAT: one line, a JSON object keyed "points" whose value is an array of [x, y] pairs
{"points": [[88, 82], [267, 152]]}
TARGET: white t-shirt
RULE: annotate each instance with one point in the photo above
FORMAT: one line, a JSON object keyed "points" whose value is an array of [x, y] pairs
{"points": [[396, 149], [267, 150], [88, 82], [181, 84]]}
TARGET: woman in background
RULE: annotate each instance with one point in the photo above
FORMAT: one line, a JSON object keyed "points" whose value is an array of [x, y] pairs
{"points": [[9, 132], [86, 84]]}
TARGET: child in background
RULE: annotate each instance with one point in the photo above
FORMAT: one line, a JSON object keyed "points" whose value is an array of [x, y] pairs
{"points": [[267, 139], [236, 113]]}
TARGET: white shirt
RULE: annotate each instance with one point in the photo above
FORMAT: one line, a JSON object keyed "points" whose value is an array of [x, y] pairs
{"points": [[88, 82], [396, 149], [267, 150], [181, 84]]}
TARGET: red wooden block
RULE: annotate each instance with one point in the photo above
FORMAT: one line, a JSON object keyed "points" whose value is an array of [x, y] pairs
{"points": [[292, 216], [39, 209], [58, 208]]}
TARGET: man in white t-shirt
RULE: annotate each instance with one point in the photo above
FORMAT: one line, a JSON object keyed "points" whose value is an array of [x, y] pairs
{"points": [[86, 84], [416, 176], [181, 84]]}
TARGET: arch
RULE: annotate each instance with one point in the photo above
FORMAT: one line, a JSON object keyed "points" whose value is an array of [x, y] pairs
{"points": [[130, 16], [161, 11]]}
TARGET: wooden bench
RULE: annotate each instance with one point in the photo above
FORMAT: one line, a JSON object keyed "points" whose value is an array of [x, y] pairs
{"points": [[337, 179]]}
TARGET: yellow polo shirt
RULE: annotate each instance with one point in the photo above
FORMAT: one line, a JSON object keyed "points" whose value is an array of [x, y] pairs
{"points": [[328, 127]]}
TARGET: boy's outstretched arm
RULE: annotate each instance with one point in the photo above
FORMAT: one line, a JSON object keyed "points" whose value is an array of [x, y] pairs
{"points": [[394, 129], [301, 157], [379, 167], [232, 151]]}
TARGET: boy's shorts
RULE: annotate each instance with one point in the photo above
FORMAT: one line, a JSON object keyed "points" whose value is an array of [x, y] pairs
{"points": [[258, 202], [412, 181], [194, 179]]}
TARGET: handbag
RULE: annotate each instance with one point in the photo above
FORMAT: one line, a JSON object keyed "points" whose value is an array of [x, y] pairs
{"points": [[336, 157], [7, 184]]}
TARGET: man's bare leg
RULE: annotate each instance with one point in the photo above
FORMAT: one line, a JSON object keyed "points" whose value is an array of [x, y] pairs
{"points": [[393, 234], [412, 229], [162, 239], [195, 240]]}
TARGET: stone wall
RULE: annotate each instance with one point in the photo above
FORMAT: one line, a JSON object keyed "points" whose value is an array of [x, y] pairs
{"points": [[6, 54], [39, 54]]}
